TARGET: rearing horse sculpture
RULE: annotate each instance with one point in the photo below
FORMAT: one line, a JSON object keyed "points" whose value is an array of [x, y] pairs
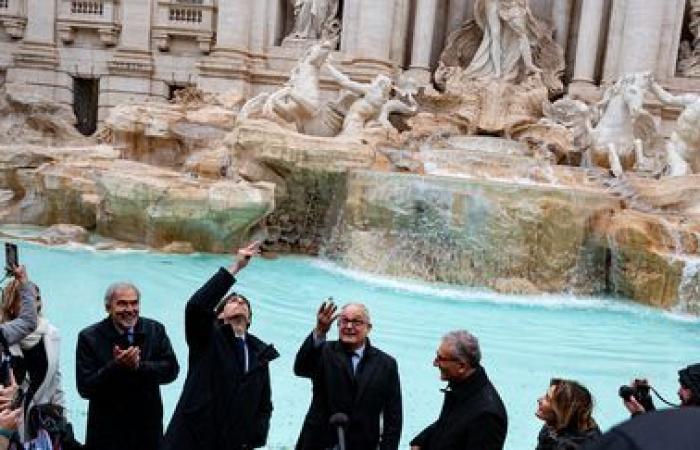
{"points": [[624, 128]]}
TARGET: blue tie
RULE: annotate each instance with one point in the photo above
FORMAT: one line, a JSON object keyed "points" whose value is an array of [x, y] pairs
{"points": [[240, 353], [130, 336]]}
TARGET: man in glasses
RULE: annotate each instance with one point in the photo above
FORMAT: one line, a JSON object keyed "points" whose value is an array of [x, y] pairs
{"points": [[351, 377], [473, 416], [226, 402]]}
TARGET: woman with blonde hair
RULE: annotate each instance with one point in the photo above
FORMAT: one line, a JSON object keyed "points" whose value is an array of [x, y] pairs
{"points": [[566, 410]]}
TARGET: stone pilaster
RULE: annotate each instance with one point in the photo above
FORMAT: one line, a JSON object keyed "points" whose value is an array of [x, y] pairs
{"points": [[583, 83], [36, 59], [635, 37], [423, 31], [375, 28], [229, 63]]}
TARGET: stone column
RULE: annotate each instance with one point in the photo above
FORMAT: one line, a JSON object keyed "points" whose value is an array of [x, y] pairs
{"points": [[423, 30], [375, 33], [233, 26], [228, 66], [635, 37], [583, 81], [561, 18]]}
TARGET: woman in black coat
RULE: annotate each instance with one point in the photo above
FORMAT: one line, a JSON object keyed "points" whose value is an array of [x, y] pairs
{"points": [[226, 401], [566, 409]]}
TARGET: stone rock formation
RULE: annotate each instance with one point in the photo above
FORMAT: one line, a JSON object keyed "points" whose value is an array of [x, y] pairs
{"points": [[127, 200], [31, 119]]}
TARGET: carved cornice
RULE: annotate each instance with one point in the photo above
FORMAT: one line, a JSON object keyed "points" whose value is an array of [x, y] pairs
{"points": [[131, 63], [40, 55]]}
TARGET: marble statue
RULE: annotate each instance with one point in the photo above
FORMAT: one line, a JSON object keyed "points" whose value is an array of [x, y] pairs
{"points": [[503, 41], [623, 128], [683, 149], [689, 51], [315, 19], [299, 100], [374, 102]]}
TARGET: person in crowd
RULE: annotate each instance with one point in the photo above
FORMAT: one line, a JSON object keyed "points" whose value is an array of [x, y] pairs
{"points": [[9, 418], [352, 377], [473, 416], [688, 391], [18, 323], [121, 362], [37, 356], [566, 410], [226, 402]]}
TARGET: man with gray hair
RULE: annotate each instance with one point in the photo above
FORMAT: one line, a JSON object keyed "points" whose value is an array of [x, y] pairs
{"points": [[473, 416], [121, 362], [352, 378]]}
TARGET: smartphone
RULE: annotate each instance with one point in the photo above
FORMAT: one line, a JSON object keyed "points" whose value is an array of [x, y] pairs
{"points": [[11, 256]]}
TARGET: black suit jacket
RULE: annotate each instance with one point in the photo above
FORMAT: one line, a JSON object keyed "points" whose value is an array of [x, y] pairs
{"points": [[123, 399], [472, 418], [373, 392], [221, 407]]}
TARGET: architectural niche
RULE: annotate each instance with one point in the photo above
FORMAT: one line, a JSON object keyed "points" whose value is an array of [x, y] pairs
{"points": [[13, 17], [689, 49], [311, 21], [185, 18], [98, 15]]}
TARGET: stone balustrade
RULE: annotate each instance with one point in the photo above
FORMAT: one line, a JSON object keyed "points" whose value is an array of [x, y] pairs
{"points": [[13, 17], [185, 18], [100, 15]]}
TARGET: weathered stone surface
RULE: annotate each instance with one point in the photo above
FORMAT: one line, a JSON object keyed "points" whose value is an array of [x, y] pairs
{"points": [[474, 232], [26, 118], [130, 201], [63, 234]]}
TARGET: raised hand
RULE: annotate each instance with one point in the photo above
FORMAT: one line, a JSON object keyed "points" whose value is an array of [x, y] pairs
{"points": [[325, 317], [243, 257], [20, 273], [7, 393], [9, 418]]}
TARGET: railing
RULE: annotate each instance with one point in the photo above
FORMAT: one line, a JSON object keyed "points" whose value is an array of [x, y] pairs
{"points": [[14, 8], [4, 4], [100, 15], [94, 8], [186, 18]]}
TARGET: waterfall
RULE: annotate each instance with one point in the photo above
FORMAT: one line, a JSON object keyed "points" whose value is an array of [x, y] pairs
{"points": [[689, 287]]}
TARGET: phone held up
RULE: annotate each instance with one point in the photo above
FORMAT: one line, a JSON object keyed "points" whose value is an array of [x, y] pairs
{"points": [[11, 257]]}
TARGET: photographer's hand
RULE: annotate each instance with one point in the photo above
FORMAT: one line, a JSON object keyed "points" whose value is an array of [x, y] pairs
{"points": [[7, 393], [243, 257], [20, 273], [9, 418], [634, 407]]}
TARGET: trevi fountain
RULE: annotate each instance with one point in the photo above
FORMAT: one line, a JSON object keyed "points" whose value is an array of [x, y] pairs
{"points": [[483, 164]]}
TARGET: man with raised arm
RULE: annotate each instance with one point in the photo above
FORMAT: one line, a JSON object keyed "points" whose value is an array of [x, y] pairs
{"points": [[226, 402], [351, 377]]}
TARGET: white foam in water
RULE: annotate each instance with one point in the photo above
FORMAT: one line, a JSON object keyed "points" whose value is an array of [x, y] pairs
{"points": [[479, 295]]}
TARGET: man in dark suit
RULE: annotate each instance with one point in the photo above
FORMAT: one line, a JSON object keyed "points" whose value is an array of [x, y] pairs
{"points": [[121, 362], [473, 416], [352, 377], [226, 402]]}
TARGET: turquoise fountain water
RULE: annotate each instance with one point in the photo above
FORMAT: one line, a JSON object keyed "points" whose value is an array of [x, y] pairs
{"points": [[525, 340]]}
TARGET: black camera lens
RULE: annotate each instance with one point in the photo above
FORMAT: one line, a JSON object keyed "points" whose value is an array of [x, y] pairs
{"points": [[626, 392]]}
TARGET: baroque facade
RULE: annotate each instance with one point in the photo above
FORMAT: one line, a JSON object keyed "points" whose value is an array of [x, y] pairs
{"points": [[117, 51]]}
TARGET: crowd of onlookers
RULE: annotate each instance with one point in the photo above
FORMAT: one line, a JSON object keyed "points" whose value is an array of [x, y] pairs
{"points": [[226, 400]]}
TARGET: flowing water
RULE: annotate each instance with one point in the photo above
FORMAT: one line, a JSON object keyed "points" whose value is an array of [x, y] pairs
{"points": [[525, 340]]}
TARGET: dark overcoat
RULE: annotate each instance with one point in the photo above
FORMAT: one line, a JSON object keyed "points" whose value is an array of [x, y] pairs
{"points": [[472, 418], [221, 406], [373, 392], [125, 409]]}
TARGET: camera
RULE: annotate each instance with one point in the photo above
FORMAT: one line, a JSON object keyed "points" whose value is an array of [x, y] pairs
{"points": [[641, 391]]}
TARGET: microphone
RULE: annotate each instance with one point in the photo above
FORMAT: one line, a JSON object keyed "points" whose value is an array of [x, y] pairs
{"points": [[340, 420]]}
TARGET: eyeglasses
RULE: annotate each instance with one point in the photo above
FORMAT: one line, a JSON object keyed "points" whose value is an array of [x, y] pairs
{"points": [[355, 323], [445, 359]]}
